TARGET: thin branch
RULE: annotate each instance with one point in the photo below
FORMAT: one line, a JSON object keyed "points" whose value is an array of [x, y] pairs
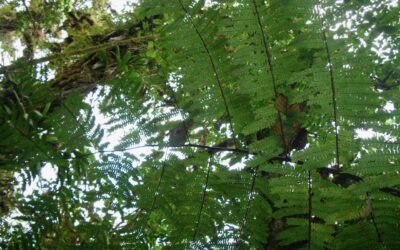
{"points": [[372, 216], [235, 150], [156, 192], [243, 224], [214, 68], [268, 61], [203, 199], [332, 81], [81, 156], [207, 148], [157, 188]]}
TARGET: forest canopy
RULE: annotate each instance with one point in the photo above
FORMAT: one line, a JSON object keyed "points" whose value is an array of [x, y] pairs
{"points": [[200, 124]]}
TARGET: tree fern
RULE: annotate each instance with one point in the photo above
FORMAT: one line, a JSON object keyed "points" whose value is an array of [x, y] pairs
{"points": [[250, 115]]}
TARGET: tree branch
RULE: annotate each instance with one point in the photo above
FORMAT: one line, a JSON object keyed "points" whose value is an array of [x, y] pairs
{"points": [[66, 55], [203, 198], [207, 148]]}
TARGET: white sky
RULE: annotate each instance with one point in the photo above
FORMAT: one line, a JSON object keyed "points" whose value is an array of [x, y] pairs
{"points": [[119, 5]]}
